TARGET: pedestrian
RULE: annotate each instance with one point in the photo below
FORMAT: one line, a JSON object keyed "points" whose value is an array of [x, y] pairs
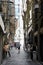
{"points": [[36, 52], [6, 48], [31, 51], [18, 46], [15, 44]]}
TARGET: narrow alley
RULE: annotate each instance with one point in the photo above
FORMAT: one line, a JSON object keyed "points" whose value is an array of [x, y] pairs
{"points": [[19, 59], [21, 32]]}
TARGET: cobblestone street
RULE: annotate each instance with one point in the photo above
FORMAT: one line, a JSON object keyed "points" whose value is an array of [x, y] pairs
{"points": [[19, 59]]}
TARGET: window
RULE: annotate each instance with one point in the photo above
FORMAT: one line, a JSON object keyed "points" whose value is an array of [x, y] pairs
{"points": [[36, 12]]}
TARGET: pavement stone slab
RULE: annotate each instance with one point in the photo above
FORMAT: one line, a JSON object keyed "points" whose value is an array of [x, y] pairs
{"points": [[22, 58]]}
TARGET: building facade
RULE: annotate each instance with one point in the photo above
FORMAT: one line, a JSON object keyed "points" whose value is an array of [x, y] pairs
{"points": [[7, 13], [38, 31], [27, 20]]}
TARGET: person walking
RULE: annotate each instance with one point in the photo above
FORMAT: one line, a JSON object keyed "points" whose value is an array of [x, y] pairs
{"points": [[18, 46], [31, 51], [6, 48]]}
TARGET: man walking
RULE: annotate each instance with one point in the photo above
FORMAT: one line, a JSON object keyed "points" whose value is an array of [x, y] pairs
{"points": [[31, 51], [18, 46]]}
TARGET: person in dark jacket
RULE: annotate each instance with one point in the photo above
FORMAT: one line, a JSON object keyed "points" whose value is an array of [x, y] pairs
{"points": [[18, 46], [31, 51]]}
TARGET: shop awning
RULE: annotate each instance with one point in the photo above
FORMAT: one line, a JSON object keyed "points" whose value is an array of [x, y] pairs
{"points": [[2, 24]]}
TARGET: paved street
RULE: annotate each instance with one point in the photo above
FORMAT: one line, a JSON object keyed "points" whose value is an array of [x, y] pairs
{"points": [[19, 59]]}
